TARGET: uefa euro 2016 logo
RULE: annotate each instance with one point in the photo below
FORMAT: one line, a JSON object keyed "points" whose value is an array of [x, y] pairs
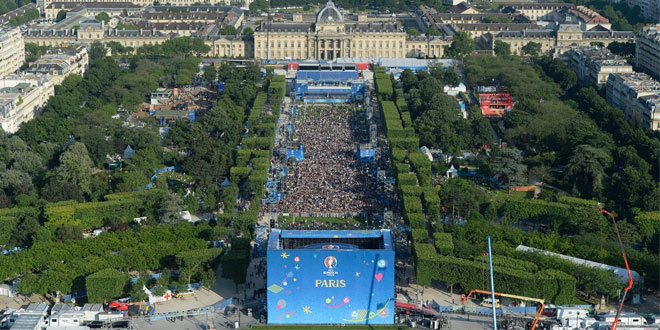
{"points": [[330, 263]]}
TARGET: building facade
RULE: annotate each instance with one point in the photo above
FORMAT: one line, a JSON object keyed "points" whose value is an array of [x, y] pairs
{"points": [[561, 40], [59, 63], [637, 95], [43, 4], [12, 50], [593, 65], [22, 99], [648, 50], [331, 37]]}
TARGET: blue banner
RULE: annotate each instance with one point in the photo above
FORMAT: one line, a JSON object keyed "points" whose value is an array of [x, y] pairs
{"points": [[330, 286]]}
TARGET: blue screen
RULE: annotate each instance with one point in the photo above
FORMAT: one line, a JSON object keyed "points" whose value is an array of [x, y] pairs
{"points": [[328, 286]]}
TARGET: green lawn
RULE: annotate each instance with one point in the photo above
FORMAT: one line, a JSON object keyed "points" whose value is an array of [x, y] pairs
{"points": [[349, 327]]}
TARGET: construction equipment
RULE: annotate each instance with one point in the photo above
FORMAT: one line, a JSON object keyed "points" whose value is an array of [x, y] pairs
{"points": [[623, 252], [540, 301]]}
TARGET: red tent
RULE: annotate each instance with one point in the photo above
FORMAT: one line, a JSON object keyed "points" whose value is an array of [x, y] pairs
{"points": [[123, 308], [114, 305]]}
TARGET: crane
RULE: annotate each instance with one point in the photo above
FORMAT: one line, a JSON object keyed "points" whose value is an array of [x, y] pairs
{"points": [[540, 301], [625, 260]]}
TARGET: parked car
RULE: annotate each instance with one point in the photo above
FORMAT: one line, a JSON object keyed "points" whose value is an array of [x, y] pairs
{"points": [[120, 325]]}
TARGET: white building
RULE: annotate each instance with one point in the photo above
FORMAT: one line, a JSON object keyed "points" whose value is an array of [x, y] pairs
{"points": [[648, 50], [31, 318], [12, 50], [21, 99], [593, 65], [637, 95], [59, 63]]}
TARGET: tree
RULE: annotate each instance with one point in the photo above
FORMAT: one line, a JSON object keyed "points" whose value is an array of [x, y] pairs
{"points": [[170, 209], [502, 48], [248, 32], [105, 284], [462, 45], [192, 262], [103, 16], [532, 48], [60, 15], [76, 167], [413, 32], [433, 32], [586, 169], [210, 73], [97, 51], [626, 49], [228, 30], [508, 167]]}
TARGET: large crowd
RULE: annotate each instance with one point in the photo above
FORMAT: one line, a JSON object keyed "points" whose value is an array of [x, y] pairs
{"points": [[329, 181]]}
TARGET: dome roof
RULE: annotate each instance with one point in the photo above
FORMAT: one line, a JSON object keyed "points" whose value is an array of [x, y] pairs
{"points": [[329, 14]]}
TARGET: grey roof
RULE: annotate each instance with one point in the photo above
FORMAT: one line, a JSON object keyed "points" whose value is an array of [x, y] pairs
{"points": [[329, 14], [286, 27], [61, 308], [538, 34], [27, 322], [496, 27], [92, 308], [38, 308], [372, 27]]}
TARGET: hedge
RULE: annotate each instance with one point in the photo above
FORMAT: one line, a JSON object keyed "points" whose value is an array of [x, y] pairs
{"points": [[419, 235], [412, 191], [105, 284], [261, 143], [401, 168], [553, 286], [411, 143], [432, 203], [243, 157], [261, 164], [406, 179], [399, 155], [416, 220], [239, 174], [412, 204], [406, 119], [513, 263], [444, 243], [90, 215]]}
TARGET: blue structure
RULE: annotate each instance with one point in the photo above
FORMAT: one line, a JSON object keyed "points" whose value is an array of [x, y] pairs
{"points": [[330, 277], [328, 83], [365, 153], [221, 87], [297, 153]]}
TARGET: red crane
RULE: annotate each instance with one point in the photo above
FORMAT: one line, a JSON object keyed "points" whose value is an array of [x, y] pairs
{"points": [[623, 252]]}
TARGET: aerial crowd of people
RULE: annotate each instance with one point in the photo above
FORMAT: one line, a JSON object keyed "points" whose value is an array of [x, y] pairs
{"points": [[330, 181]]}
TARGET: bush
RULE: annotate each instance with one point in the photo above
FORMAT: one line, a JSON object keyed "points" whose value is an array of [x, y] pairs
{"points": [[444, 243], [412, 204], [420, 235], [406, 179], [416, 220], [105, 285], [399, 155], [411, 143]]}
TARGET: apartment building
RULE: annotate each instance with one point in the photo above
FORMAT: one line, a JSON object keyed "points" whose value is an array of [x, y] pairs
{"points": [[637, 95], [648, 50], [593, 65], [22, 98], [12, 50], [59, 63]]}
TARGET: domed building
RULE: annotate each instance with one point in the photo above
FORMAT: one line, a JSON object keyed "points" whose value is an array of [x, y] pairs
{"points": [[335, 34]]}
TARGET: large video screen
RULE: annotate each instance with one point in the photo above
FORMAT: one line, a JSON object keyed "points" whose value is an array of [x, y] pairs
{"points": [[330, 286]]}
